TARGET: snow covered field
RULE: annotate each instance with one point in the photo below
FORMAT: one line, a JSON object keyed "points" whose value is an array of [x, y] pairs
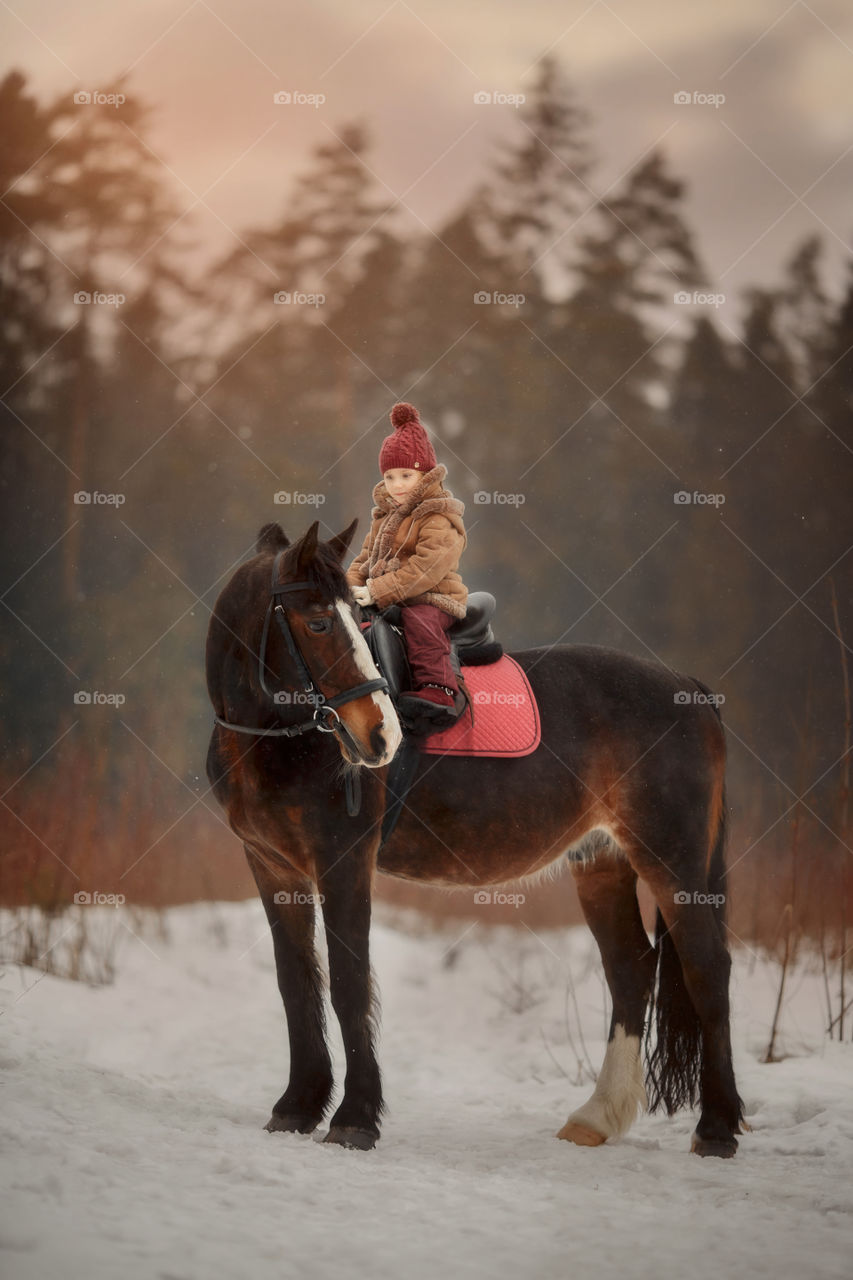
{"points": [[133, 1143]]}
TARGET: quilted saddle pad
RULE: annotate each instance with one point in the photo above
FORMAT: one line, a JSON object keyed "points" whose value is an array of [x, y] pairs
{"points": [[506, 717]]}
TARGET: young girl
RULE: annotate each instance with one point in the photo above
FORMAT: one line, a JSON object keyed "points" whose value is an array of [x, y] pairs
{"points": [[411, 554]]}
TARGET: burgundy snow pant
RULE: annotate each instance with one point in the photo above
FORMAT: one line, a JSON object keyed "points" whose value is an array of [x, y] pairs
{"points": [[424, 628]]}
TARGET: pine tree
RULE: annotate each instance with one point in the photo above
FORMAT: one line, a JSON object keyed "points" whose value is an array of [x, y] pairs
{"points": [[92, 216], [538, 188], [302, 386]]}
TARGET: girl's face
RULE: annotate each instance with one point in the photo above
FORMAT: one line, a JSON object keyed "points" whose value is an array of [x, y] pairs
{"points": [[400, 482]]}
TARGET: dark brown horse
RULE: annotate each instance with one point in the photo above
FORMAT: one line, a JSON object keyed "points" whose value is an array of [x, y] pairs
{"points": [[628, 781]]}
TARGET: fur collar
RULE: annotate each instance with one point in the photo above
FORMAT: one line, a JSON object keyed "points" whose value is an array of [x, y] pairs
{"points": [[429, 488], [429, 497]]}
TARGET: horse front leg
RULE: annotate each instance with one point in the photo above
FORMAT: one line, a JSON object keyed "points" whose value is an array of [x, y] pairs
{"points": [[289, 905], [346, 895]]}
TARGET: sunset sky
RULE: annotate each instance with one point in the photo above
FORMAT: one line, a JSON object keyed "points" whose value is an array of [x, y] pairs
{"points": [[770, 164]]}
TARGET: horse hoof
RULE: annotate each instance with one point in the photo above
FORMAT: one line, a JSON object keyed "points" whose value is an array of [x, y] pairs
{"points": [[724, 1148], [290, 1124], [580, 1135], [355, 1139]]}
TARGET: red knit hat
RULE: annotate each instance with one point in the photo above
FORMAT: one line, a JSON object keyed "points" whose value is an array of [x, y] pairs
{"points": [[409, 444]]}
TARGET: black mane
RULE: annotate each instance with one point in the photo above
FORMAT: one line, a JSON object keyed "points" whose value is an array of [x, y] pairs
{"points": [[324, 570]]}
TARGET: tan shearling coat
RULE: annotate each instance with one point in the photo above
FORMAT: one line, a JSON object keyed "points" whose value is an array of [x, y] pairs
{"points": [[411, 552]]}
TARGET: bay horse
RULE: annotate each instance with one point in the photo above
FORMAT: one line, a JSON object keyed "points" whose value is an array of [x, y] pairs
{"points": [[627, 782]]}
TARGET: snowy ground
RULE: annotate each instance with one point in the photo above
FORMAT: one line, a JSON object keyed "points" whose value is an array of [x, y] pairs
{"points": [[132, 1125]]}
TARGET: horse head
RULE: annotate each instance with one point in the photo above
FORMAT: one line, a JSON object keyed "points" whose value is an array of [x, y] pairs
{"points": [[301, 658]]}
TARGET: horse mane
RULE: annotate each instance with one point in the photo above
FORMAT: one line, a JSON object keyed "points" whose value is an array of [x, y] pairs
{"points": [[271, 538], [324, 570]]}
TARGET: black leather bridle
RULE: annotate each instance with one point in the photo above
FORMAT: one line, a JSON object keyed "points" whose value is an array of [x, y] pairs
{"points": [[325, 716]]}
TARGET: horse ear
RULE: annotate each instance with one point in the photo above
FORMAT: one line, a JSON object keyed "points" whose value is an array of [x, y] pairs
{"points": [[341, 541], [307, 547], [271, 538]]}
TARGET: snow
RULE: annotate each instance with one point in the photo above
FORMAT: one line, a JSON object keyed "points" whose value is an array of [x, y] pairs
{"points": [[134, 1146]]}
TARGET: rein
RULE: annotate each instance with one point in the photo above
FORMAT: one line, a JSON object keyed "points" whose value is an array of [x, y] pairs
{"points": [[325, 716]]}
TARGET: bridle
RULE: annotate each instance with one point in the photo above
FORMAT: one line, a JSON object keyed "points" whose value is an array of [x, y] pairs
{"points": [[325, 716]]}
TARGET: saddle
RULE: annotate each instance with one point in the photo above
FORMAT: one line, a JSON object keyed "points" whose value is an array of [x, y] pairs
{"points": [[473, 644], [471, 639]]}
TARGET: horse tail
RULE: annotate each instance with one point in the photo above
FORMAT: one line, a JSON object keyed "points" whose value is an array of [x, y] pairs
{"points": [[673, 1052], [673, 1030], [717, 861]]}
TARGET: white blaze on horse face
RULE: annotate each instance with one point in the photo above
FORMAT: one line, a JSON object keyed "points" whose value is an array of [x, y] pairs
{"points": [[619, 1092], [391, 730]]}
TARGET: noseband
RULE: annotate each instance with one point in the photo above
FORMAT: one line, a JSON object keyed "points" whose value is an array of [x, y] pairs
{"points": [[325, 716]]}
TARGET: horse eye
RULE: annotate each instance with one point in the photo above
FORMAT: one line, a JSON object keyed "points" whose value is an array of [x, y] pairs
{"points": [[320, 626]]}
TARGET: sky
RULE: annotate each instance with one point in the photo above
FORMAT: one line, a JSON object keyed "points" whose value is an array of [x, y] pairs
{"points": [[765, 166]]}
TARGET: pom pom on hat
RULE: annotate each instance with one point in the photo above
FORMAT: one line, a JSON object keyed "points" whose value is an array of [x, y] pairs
{"points": [[403, 413], [409, 446]]}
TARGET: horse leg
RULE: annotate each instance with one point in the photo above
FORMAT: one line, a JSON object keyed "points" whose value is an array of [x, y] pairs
{"points": [[608, 895], [289, 906], [693, 1040], [694, 932], [346, 890]]}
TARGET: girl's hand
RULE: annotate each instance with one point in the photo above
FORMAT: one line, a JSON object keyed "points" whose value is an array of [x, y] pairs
{"points": [[362, 595]]}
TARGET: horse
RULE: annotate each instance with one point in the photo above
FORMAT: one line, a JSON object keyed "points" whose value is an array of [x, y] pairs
{"points": [[627, 782]]}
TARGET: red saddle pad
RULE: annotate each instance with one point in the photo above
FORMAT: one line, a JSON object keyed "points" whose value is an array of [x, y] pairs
{"points": [[506, 717]]}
